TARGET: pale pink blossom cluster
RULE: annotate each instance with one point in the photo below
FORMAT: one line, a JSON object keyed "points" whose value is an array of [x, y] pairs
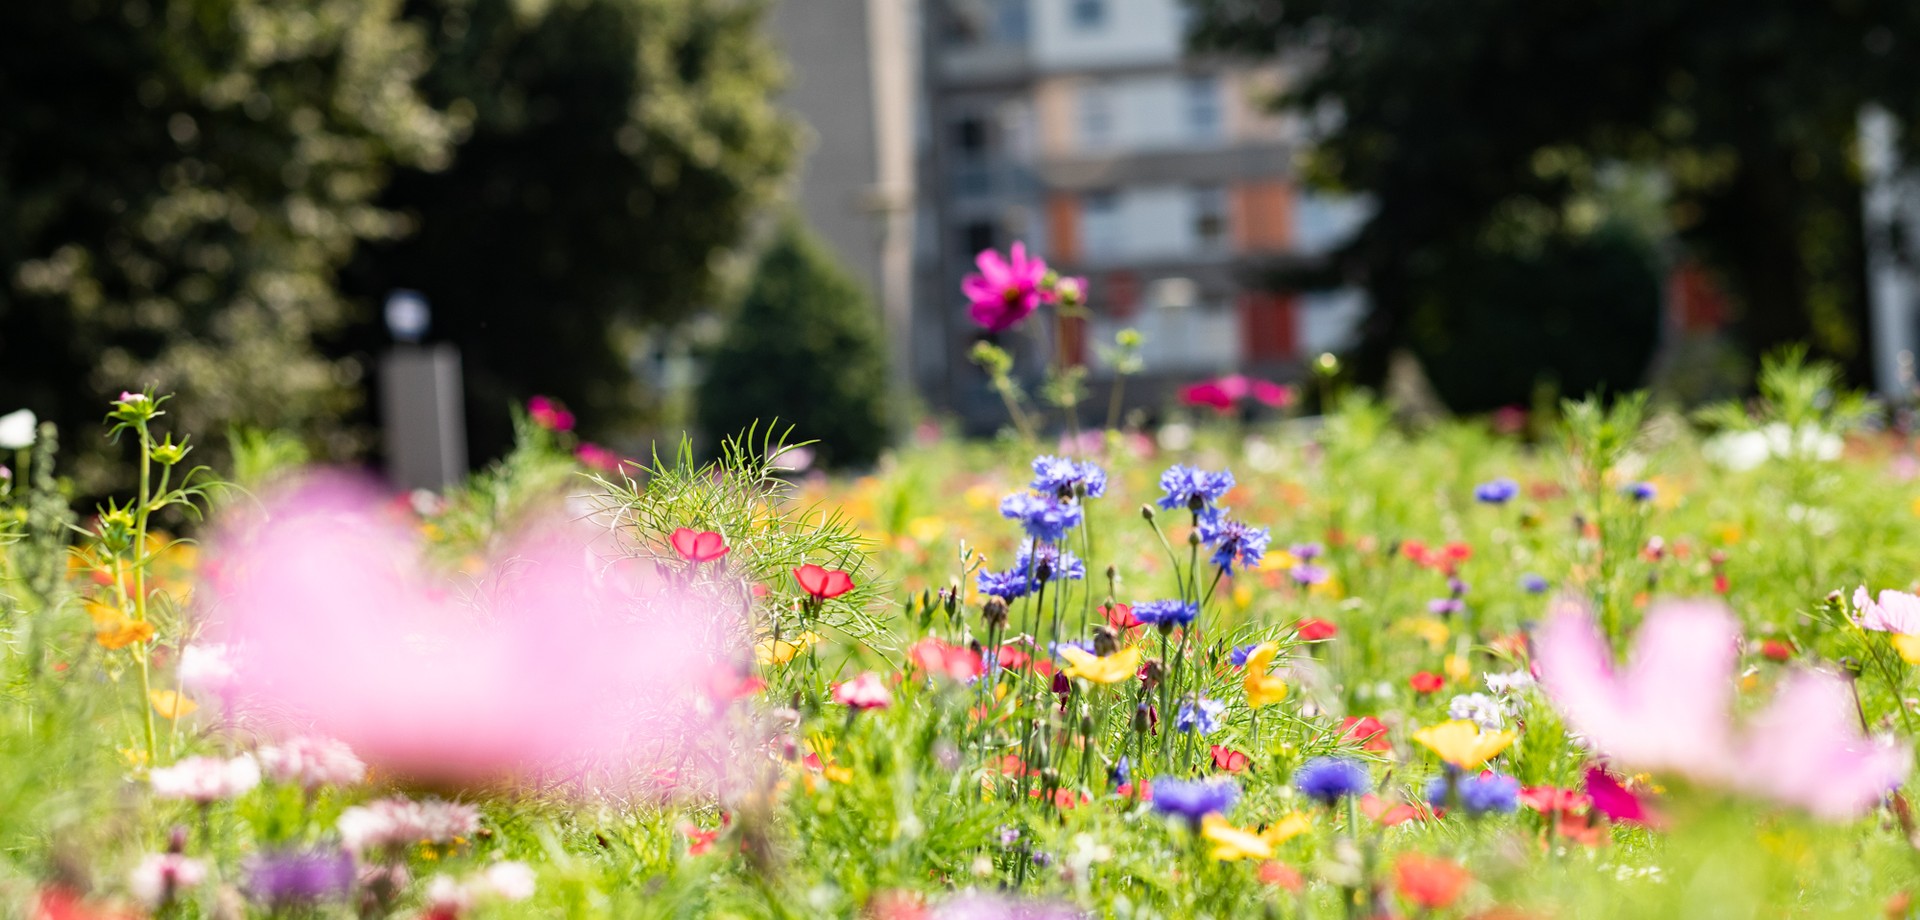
{"points": [[312, 762], [206, 779], [160, 878], [397, 823], [1670, 710], [503, 881]]}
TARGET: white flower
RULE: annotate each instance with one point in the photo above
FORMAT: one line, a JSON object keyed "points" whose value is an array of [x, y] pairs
{"points": [[160, 878], [313, 762], [206, 668], [206, 779], [396, 823], [1509, 682], [511, 881], [1480, 709], [17, 429], [444, 895]]}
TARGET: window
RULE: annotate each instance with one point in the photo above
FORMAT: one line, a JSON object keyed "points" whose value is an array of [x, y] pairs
{"points": [[1010, 21], [1209, 217], [976, 236], [970, 136], [1096, 117], [1089, 14], [1205, 120], [1100, 225]]}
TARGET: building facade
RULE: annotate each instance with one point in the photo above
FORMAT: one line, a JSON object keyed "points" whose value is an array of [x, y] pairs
{"points": [[1086, 130]]}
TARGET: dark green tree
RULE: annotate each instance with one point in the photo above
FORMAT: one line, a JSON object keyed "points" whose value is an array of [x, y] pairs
{"points": [[179, 182], [1456, 117], [804, 347], [617, 152]]}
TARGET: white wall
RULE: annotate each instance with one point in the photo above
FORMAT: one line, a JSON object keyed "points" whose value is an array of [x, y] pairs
{"points": [[1135, 32], [1147, 113], [1200, 340], [1147, 222]]}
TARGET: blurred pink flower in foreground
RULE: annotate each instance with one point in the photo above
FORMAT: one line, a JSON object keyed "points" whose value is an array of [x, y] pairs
{"points": [[552, 662], [1006, 290], [1670, 711]]}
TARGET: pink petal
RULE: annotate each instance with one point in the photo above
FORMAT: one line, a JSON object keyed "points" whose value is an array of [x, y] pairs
{"points": [[1806, 749]]}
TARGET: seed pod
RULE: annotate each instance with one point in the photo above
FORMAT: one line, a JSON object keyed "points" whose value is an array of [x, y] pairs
{"points": [[1106, 641], [994, 612]]}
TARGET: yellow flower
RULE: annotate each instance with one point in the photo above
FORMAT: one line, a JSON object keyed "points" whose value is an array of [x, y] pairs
{"points": [[1232, 843], [1278, 561], [1242, 595], [1462, 743], [114, 629], [926, 529], [171, 705], [1428, 628], [1457, 668], [780, 651], [1263, 688], [1907, 646], [1114, 668]]}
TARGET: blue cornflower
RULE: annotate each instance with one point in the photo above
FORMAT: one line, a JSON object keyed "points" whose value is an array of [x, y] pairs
{"points": [[1235, 541], [1204, 715], [1329, 779], [1043, 517], [1066, 478], [1479, 795], [1641, 491], [1496, 492], [1307, 574], [1305, 552], [1194, 799], [1122, 772], [1166, 613], [1239, 655], [1030, 569], [293, 877], [1197, 490], [1445, 606], [1053, 648], [1533, 584]]}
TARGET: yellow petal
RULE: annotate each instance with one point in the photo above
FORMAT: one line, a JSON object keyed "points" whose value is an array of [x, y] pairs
{"points": [[1112, 669], [1232, 843], [1287, 828], [1907, 646], [171, 705], [1261, 658], [1264, 690], [1462, 743]]}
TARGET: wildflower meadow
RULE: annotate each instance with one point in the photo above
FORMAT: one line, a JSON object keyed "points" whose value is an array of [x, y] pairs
{"points": [[1602, 659]]}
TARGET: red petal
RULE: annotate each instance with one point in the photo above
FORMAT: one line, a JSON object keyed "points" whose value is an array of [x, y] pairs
{"points": [[685, 542], [812, 579]]}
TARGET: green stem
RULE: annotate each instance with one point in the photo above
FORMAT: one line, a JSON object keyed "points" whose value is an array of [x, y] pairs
{"points": [[143, 649]]}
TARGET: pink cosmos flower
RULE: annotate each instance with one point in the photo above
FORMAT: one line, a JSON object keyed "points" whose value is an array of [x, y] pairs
{"points": [[397, 823], [161, 877], [1223, 394], [1670, 710], [597, 458], [550, 661], [1211, 394], [311, 763], [863, 692], [1005, 291], [1895, 612]]}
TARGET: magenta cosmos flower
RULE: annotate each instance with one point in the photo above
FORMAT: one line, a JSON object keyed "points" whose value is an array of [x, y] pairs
{"points": [[1006, 290]]}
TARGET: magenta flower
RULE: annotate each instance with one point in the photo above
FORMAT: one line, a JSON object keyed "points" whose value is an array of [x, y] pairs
{"points": [[1670, 710], [1893, 612], [1006, 290]]}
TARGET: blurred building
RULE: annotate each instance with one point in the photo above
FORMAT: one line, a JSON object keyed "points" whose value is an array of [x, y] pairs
{"points": [[1083, 128]]}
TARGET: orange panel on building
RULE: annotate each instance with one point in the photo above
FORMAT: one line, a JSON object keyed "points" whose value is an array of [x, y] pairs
{"points": [[1263, 216], [1269, 326], [1063, 228], [1073, 340]]}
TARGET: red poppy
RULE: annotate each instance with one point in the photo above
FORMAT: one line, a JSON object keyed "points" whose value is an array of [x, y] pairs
{"points": [[1389, 814], [699, 545], [1314, 629], [1426, 682], [1368, 732], [60, 903], [1776, 650], [823, 584], [1143, 791], [1720, 583], [955, 662], [1430, 882], [1230, 760], [699, 840], [1063, 799], [1280, 875], [1013, 658], [1549, 800], [1120, 616]]}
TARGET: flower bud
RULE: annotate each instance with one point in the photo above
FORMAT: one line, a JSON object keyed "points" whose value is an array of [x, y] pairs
{"points": [[1106, 641], [1151, 674], [994, 612]]}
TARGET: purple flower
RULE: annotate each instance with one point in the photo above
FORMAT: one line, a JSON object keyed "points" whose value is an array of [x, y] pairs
{"points": [[1484, 794], [1034, 566], [1329, 779], [1007, 585], [1043, 517], [1194, 799], [1205, 716], [1496, 492], [1533, 584], [1194, 489], [1234, 541], [1445, 606], [1066, 478], [1166, 613], [1308, 574], [975, 905], [1239, 655], [293, 877], [1641, 491], [1305, 552]]}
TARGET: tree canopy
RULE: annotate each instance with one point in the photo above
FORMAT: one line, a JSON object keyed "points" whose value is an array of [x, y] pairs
{"points": [[1468, 122]]}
